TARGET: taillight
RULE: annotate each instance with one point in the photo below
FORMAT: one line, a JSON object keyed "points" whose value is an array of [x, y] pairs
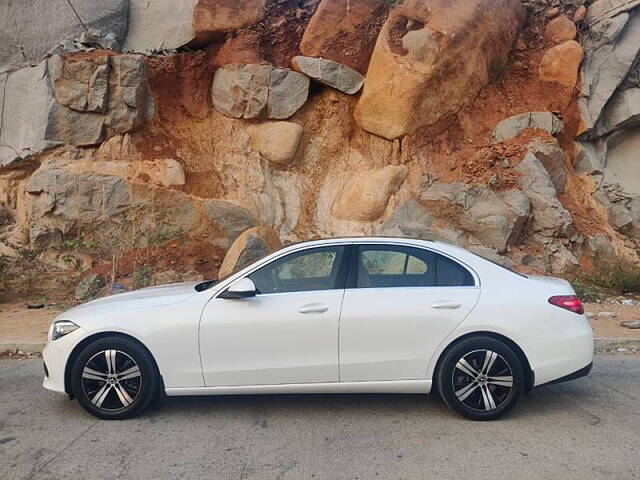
{"points": [[568, 302]]}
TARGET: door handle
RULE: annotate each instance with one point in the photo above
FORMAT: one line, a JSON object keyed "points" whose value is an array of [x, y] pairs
{"points": [[314, 308], [445, 305]]}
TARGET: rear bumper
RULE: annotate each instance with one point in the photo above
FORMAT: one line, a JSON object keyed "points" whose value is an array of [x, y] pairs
{"points": [[560, 355], [583, 372]]}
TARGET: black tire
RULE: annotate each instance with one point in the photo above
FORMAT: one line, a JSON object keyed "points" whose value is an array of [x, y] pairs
{"points": [[124, 393], [479, 393]]}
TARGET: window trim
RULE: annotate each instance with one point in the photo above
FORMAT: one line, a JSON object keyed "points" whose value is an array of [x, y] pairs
{"points": [[352, 279]]}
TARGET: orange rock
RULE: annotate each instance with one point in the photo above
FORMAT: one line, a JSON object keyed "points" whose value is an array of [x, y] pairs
{"points": [[365, 195], [250, 246], [552, 12], [343, 31], [560, 64], [559, 30], [431, 59], [579, 14]]}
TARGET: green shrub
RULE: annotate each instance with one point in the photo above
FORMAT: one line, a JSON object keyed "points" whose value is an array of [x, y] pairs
{"points": [[142, 277], [609, 275]]}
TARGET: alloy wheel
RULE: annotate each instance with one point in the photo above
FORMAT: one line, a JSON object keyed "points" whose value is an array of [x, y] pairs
{"points": [[111, 380], [482, 380]]}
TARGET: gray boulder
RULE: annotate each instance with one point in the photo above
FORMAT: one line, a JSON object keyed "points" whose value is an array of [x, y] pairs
{"points": [[549, 217], [73, 198], [258, 91], [496, 219], [512, 127], [230, 218], [252, 245], [159, 24], [330, 73], [491, 255], [550, 154], [73, 102], [412, 220], [612, 48], [25, 108], [31, 28], [622, 111], [601, 10]]}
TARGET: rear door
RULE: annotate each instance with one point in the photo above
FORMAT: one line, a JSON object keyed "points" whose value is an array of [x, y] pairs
{"points": [[401, 302]]}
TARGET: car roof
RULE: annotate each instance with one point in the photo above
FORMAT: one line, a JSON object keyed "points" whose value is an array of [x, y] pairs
{"points": [[392, 240]]}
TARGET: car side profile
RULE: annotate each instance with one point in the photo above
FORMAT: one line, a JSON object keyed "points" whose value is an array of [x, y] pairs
{"points": [[349, 315]]}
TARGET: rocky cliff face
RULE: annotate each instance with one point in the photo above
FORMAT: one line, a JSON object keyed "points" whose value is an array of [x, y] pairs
{"points": [[509, 127]]}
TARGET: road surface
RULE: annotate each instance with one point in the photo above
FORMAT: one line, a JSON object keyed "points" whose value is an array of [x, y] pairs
{"points": [[585, 429]]}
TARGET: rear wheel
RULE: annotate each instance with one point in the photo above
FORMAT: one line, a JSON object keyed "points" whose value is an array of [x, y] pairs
{"points": [[481, 378], [114, 378]]}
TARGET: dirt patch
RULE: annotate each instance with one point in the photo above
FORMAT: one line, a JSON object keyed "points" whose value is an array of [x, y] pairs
{"points": [[24, 327], [180, 255], [605, 326]]}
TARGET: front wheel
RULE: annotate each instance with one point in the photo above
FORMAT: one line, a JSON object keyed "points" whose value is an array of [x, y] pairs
{"points": [[481, 378], [114, 378]]}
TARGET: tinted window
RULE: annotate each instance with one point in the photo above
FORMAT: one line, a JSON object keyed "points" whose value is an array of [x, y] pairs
{"points": [[394, 266], [314, 269]]}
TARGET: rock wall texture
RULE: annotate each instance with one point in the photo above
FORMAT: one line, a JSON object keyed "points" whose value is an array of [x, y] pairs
{"points": [[154, 133]]}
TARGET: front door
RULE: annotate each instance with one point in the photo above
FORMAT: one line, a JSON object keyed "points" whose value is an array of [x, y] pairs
{"points": [[400, 304], [288, 332]]}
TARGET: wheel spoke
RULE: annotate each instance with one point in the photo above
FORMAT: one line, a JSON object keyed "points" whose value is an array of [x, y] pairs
{"points": [[110, 356], [464, 392], [122, 395], [99, 397], [465, 367], [501, 381], [129, 373], [487, 397], [489, 360], [91, 374]]}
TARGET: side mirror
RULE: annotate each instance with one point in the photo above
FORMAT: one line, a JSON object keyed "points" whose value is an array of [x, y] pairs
{"points": [[242, 288]]}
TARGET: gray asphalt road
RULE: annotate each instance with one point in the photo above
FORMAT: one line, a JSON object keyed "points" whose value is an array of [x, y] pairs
{"points": [[589, 428]]}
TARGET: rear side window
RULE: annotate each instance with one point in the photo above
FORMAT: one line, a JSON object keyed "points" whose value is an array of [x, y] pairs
{"points": [[387, 266]]}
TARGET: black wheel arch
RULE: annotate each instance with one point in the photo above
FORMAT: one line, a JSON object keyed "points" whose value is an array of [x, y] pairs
{"points": [[528, 372], [92, 338]]}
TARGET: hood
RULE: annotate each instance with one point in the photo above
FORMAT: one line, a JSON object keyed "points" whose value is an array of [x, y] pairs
{"points": [[138, 299]]}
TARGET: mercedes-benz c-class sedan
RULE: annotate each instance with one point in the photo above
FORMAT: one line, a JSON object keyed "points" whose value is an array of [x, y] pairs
{"points": [[343, 315]]}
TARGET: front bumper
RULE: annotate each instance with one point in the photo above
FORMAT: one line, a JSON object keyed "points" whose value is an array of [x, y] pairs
{"points": [[55, 356]]}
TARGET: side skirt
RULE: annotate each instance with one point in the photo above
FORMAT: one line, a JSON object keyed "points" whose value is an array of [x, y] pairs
{"points": [[399, 386]]}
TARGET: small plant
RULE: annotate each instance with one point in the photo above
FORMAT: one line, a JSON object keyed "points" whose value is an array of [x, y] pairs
{"points": [[142, 277], [609, 275], [163, 236]]}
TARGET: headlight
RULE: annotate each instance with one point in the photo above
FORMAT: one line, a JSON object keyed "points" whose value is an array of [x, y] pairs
{"points": [[61, 328]]}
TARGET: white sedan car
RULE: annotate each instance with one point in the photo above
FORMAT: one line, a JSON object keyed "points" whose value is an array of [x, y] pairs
{"points": [[330, 316]]}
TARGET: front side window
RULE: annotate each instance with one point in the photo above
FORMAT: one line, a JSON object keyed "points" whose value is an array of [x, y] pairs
{"points": [[313, 269], [380, 266]]}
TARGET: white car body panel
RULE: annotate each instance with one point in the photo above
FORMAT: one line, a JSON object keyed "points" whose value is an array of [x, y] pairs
{"points": [[394, 340], [269, 354], [267, 340]]}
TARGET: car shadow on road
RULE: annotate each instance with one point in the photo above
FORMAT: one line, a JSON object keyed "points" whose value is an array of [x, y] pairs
{"points": [[540, 402]]}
